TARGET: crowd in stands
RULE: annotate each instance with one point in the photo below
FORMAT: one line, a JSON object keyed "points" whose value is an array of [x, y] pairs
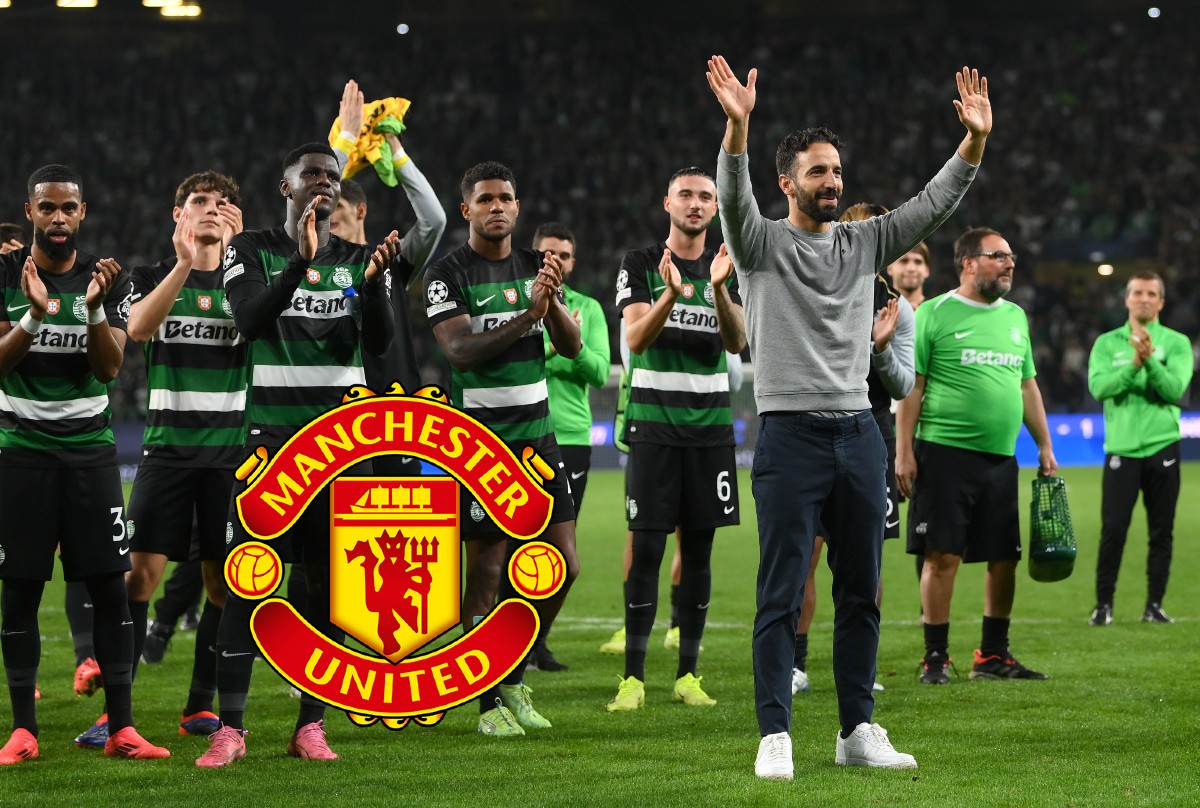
{"points": [[1094, 156]]}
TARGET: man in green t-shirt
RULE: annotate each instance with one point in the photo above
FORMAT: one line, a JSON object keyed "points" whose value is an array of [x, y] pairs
{"points": [[975, 386], [567, 382], [1139, 371]]}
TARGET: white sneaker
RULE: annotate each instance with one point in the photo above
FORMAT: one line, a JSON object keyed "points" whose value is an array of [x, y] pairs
{"points": [[799, 681], [878, 688], [868, 745], [774, 761]]}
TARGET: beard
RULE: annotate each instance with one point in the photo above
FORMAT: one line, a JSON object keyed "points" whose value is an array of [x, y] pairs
{"points": [[686, 227], [993, 289], [810, 206], [54, 251], [493, 235]]}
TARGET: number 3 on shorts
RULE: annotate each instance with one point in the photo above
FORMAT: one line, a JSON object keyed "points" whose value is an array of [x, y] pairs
{"points": [[118, 523]]}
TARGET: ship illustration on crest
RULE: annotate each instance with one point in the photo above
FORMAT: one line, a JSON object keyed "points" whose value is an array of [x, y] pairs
{"points": [[392, 501]]}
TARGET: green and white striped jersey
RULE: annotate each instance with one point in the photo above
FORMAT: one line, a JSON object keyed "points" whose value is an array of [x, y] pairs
{"points": [[507, 392], [53, 409], [310, 354], [196, 373], [678, 386]]}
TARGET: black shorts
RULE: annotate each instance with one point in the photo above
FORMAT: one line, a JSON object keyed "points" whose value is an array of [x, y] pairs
{"points": [[80, 510], [677, 486], [474, 520], [578, 461], [964, 503], [891, 519], [307, 540], [163, 503]]}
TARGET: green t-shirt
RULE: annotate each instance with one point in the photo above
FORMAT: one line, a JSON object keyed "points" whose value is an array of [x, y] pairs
{"points": [[1141, 415], [973, 357], [567, 380]]}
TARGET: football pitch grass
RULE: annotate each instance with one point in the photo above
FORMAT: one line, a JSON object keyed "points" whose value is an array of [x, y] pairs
{"points": [[1116, 724]]}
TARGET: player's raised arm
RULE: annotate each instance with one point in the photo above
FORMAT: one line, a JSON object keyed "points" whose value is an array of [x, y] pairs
{"points": [[975, 111], [564, 331], [106, 343], [736, 99]]}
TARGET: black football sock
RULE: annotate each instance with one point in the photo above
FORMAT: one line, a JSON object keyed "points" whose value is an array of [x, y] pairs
{"points": [[21, 641], [235, 659], [937, 638], [801, 659], [674, 605], [139, 611], [114, 647], [204, 666], [641, 598], [995, 636], [695, 591], [79, 618]]}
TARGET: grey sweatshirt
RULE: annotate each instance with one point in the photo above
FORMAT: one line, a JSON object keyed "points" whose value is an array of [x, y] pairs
{"points": [[808, 296], [897, 362]]}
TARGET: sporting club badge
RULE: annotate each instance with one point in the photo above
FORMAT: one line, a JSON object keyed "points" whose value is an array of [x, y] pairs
{"points": [[79, 308], [529, 288], [710, 296], [342, 277]]}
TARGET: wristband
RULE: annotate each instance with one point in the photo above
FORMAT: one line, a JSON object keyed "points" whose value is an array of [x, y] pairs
{"points": [[30, 323], [399, 157], [96, 316]]}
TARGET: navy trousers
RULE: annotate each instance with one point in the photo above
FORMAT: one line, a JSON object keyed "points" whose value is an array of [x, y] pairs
{"points": [[811, 473]]}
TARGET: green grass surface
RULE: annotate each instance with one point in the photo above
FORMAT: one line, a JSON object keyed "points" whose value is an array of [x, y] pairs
{"points": [[1115, 725]]}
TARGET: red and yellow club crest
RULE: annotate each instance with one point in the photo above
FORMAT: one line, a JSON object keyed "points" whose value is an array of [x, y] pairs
{"points": [[313, 275], [394, 561], [53, 306], [688, 290], [395, 556], [510, 295], [205, 302]]}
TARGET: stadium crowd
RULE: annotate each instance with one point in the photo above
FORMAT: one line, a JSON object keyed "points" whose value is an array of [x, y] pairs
{"points": [[1087, 175]]}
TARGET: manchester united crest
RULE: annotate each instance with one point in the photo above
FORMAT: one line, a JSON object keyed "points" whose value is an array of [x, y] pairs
{"points": [[394, 561]]}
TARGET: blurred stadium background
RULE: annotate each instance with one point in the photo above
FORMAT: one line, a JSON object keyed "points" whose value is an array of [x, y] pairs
{"points": [[1091, 169]]}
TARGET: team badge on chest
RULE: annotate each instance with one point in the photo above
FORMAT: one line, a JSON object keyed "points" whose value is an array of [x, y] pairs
{"points": [[205, 302], [314, 276], [510, 295], [79, 309], [53, 306], [529, 288], [688, 290]]}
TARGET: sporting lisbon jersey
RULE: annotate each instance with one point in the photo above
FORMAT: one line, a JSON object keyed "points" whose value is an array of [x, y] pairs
{"points": [[53, 409], [196, 374], [974, 357], [678, 386], [309, 355], [508, 391]]}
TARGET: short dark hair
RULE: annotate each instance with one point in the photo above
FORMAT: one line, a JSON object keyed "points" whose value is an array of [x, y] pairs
{"points": [[799, 141], [862, 211], [295, 154], [690, 171], [10, 231], [53, 173], [208, 181], [488, 170], [553, 230], [1140, 275], [353, 193], [968, 244]]}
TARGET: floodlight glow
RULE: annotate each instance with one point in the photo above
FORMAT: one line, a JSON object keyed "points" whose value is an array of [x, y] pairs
{"points": [[162, 3], [1105, 269], [76, 3], [180, 11], [402, 28], [1154, 12]]}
